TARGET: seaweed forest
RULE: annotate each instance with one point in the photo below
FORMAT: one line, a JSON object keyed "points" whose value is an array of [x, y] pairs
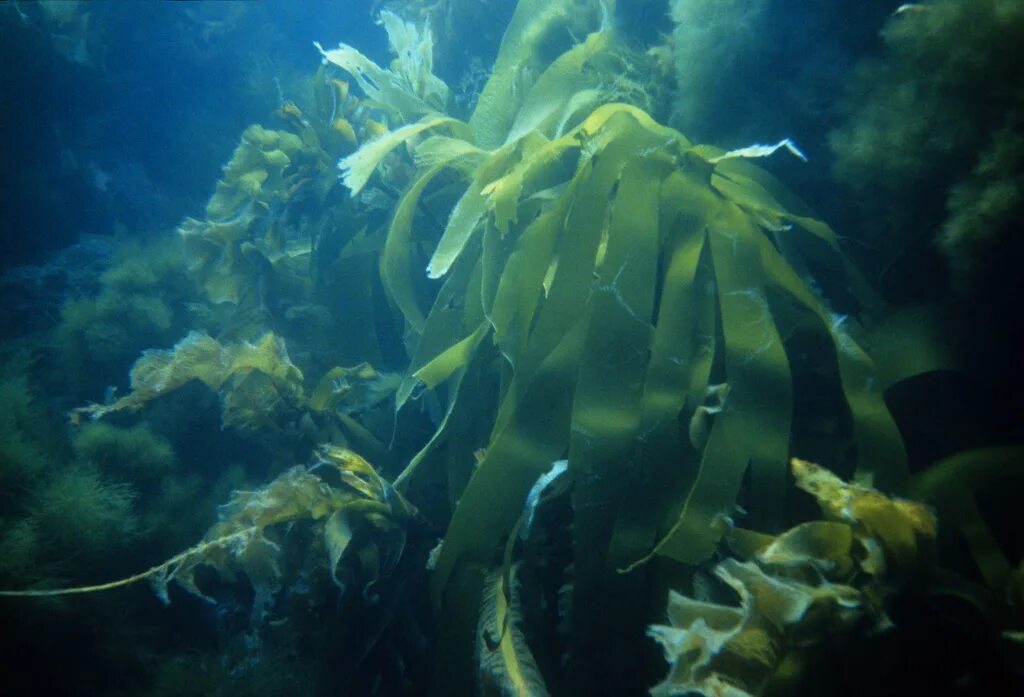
{"points": [[520, 366]]}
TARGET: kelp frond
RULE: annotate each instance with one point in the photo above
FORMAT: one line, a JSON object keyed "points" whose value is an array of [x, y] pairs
{"points": [[506, 665], [243, 541], [223, 368], [795, 589], [411, 90]]}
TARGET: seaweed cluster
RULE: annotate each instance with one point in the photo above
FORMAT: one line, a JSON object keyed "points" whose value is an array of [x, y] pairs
{"points": [[516, 379], [930, 140]]}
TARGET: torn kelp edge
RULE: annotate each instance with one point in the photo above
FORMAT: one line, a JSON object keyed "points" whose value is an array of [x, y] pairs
{"points": [[761, 151], [558, 468]]}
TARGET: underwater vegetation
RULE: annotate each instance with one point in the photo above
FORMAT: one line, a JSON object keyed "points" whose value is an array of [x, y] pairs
{"points": [[520, 393], [930, 149], [141, 302], [937, 111]]}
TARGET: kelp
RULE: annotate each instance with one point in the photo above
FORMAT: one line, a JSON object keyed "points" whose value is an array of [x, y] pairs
{"points": [[619, 271], [506, 665], [352, 390], [796, 589], [262, 175], [246, 541], [410, 89], [520, 56], [245, 375], [580, 285]]}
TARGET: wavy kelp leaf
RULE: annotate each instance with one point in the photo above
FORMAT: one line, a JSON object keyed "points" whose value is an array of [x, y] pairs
{"points": [[237, 543], [263, 173], [414, 50], [200, 357], [506, 665], [823, 545], [402, 92], [353, 390], [904, 529], [357, 168], [801, 587], [244, 520], [721, 651], [244, 541], [521, 54], [354, 470], [250, 402], [337, 537]]}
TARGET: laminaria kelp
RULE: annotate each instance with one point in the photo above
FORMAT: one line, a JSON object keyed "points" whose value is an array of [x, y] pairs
{"points": [[617, 340]]}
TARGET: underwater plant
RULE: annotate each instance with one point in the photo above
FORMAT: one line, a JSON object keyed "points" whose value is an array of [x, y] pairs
{"points": [[613, 274], [112, 448], [239, 542], [808, 583], [139, 304], [616, 340], [935, 113], [22, 432]]}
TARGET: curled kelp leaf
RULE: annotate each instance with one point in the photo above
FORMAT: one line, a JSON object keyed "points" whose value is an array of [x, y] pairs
{"points": [[546, 480], [755, 151], [224, 368], [362, 520], [353, 390], [505, 663], [720, 650], [264, 172], [411, 89], [795, 589], [904, 529]]}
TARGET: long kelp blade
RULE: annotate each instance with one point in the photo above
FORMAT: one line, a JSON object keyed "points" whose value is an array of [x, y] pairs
{"points": [[606, 419], [753, 428]]}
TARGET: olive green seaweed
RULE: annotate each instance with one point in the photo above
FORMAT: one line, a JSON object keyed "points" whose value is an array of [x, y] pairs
{"points": [[573, 283], [243, 541], [802, 587], [567, 218]]}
